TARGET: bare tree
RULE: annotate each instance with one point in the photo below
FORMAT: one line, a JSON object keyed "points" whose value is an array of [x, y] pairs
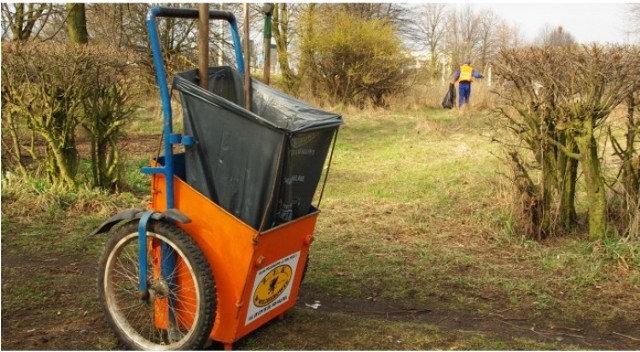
{"points": [[429, 31], [118, 25], [393, 13], [463, 35], [633, 13], [627, 151], [557, 36], [487, 35], [507, 36], [25, 21], [124, 26]]}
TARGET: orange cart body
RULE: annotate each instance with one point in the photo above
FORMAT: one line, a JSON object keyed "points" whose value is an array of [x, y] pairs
{"points": [[257, 274]]}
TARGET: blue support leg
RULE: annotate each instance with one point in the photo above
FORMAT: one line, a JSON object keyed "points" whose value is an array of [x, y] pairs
{"points": [[143, 290]]}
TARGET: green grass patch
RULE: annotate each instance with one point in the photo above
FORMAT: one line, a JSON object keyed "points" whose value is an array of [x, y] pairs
{"points": [[414, 212], [415, 208]]}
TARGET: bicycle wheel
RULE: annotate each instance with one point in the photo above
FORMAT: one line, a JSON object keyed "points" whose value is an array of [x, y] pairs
{"points": [[179, 308]]}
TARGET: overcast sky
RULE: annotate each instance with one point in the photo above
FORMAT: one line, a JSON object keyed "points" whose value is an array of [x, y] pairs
{"points": [[587, 22]]}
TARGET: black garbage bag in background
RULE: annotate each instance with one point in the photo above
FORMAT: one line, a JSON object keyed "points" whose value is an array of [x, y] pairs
{"points": [[449, 100]]}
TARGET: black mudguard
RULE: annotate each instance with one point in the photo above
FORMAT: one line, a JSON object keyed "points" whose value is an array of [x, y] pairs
{"points": [[132, 214]]}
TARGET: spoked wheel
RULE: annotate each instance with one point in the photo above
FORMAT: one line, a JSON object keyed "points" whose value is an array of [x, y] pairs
{"points": [[178, 309]]}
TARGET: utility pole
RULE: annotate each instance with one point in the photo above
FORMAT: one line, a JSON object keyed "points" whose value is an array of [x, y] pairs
{"points": [[203, 43], [267, 9]]}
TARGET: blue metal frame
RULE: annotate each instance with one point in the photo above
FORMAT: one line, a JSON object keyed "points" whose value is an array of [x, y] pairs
{"points": [[142, 255], [171, 138]]}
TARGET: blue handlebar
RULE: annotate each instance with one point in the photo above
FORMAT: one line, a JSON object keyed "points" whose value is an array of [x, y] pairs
{"points": [[161, 75]]}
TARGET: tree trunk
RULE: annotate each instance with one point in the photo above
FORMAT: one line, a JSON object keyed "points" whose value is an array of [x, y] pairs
{"points": [[281, 34], [17, 148], [94, 161], [568, 216], [63, 161], [631, 168], [596, 196], [434, 62], [77, 24], [58, 128], [306, 55], [17, 29], [567, 177], [546, 193]]}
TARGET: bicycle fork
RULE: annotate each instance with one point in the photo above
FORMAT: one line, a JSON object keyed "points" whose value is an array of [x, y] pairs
{"points": [[167, 268]]}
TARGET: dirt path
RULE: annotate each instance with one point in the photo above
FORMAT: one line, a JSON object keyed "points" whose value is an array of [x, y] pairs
{"points": [[505, 324], [50, 304]]}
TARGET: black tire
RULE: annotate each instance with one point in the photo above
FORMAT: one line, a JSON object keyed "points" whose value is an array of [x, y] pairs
{"points": [[135, 321]]}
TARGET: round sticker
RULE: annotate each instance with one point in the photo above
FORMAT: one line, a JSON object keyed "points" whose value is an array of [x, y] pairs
{"points": [[272, 285]]}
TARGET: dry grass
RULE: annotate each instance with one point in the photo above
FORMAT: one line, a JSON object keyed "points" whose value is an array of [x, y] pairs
{"points": [[416, 212], [417, 206], [430, 95], [29, 198]]}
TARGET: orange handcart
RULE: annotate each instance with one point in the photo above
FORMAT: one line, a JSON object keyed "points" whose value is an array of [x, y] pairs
{"points": [[214, 256]]}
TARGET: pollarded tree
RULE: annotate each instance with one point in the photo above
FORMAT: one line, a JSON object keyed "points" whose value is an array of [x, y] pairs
{"points": [[108, 103], [601, 79], [50, 89], [558, 99], [530, 113], [628, 151], [43, 85]]}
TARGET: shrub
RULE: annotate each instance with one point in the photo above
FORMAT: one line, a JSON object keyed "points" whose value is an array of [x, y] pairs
{"points": [[48, 90], [353, 61]]}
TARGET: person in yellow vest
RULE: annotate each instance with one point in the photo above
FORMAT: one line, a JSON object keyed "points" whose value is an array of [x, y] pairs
{"points": [[464, 76]]}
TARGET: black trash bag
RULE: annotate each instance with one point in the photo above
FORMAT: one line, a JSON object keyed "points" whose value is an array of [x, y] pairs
{"points": [[449, 100], [261, 165]]}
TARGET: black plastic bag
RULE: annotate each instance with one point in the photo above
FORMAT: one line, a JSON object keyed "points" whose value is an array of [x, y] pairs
{"points": [[449, 100], [261, 165]]}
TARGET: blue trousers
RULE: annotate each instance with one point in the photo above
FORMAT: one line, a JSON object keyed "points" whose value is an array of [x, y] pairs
{"points": [[464, 90]]}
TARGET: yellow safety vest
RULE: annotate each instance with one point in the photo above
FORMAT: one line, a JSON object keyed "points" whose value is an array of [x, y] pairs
{"points": [[466, 73]]}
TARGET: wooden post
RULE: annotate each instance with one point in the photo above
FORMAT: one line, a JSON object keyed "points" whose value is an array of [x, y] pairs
{"points": [[267, 9], [221, 28], [247, 60], [203, 43]]}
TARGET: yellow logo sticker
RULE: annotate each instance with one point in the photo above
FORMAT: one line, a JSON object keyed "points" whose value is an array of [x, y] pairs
{"points": [[272, 285]]}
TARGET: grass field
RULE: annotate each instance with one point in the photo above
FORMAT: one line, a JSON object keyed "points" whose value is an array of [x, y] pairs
{"points": [[414, 249]]}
